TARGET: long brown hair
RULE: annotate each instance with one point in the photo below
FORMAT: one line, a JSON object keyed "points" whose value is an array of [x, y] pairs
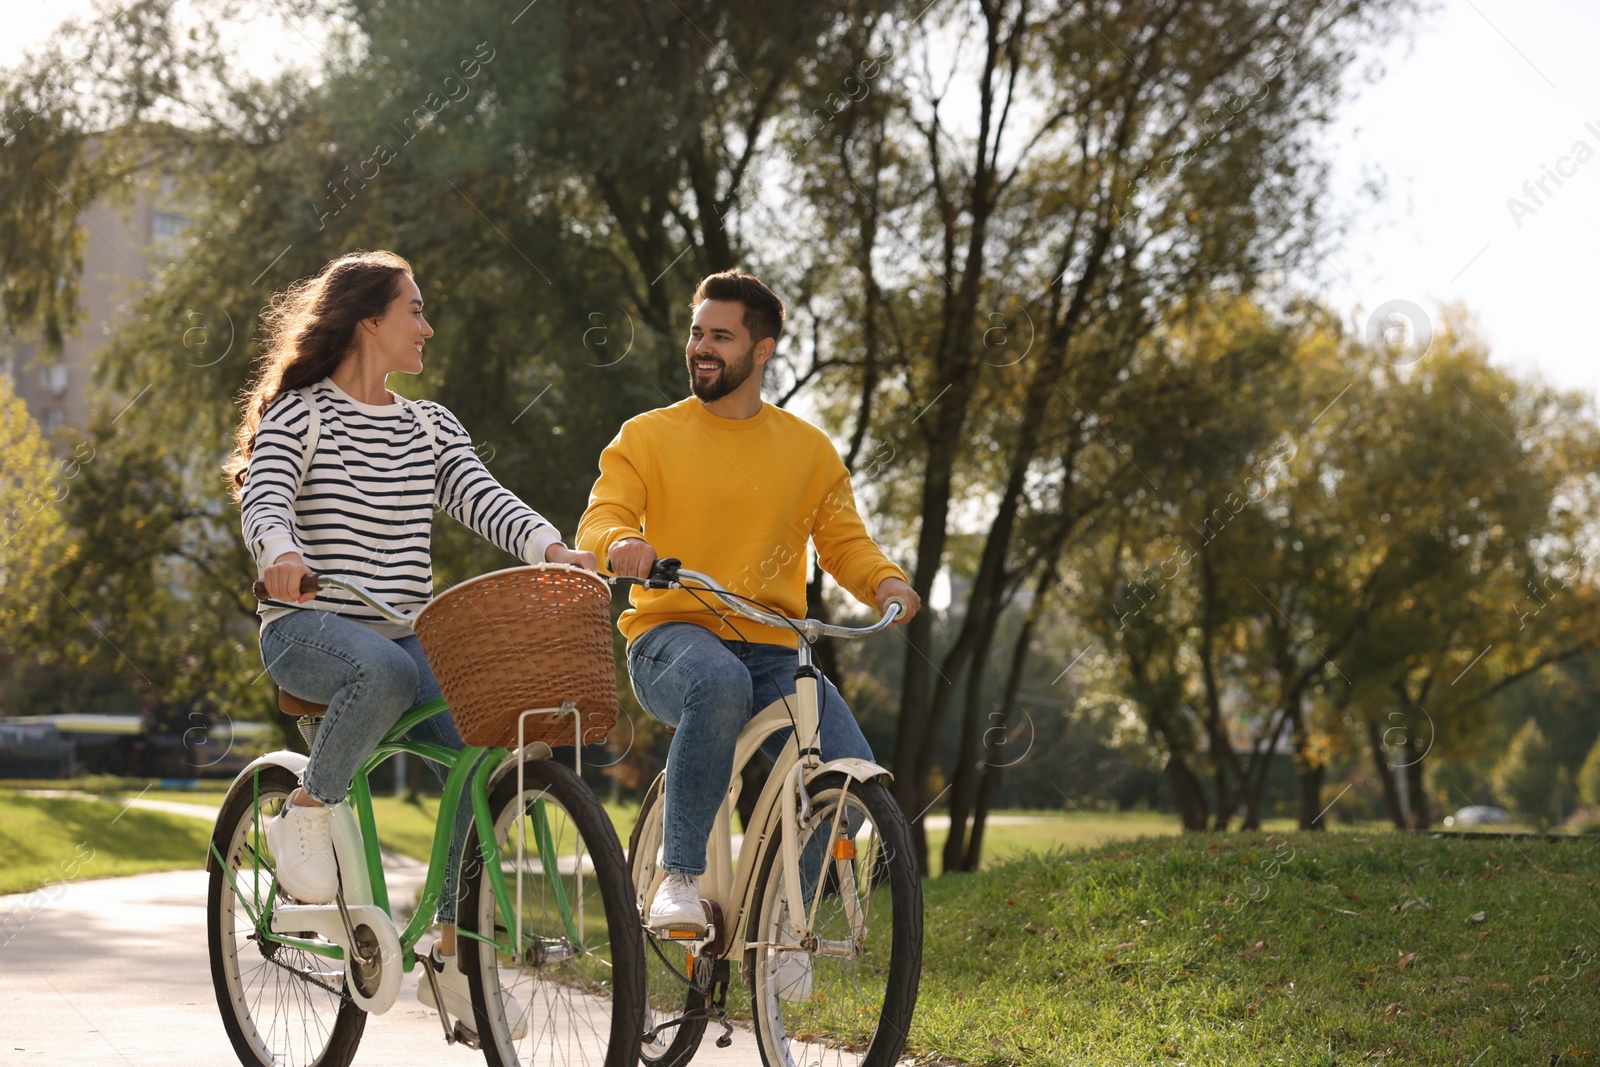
{"points": [[310, 328]]}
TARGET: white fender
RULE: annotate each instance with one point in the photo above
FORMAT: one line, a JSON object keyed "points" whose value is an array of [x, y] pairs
{"points": [[324, 919], [859, 769], [347, 845]]}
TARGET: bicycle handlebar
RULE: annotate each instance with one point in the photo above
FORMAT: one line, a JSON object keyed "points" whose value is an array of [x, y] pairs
{"points": [[666, 574], [669, 574], [311, 583]]}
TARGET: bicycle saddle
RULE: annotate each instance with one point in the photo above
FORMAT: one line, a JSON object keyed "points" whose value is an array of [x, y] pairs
{"points": [[290, 704]]}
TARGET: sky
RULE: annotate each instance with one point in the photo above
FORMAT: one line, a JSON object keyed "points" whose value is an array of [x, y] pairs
{"points": [[1475, 99], [1479, 98]]}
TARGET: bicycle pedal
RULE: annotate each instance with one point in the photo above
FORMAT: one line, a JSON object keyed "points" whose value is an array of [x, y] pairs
{"points": [[681, 933], [466, 1036]]}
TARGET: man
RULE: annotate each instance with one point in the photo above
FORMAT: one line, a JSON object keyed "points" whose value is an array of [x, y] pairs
{"points": [[734, 487]]}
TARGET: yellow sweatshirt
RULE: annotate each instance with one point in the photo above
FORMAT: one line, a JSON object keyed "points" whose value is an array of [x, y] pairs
{"points": [[736, 499]]}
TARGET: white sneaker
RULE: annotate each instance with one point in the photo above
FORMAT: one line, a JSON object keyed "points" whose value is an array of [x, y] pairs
{"points": [[677, 905], [301, 839], [458, 994], [794, 970]]}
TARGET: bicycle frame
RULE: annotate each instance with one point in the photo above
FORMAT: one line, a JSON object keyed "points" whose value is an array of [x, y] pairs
{"points": [[360, 859], [778, 809]]}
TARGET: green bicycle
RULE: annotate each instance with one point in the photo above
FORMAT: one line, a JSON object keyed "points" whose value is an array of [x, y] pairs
{"points": [[546, 913]]}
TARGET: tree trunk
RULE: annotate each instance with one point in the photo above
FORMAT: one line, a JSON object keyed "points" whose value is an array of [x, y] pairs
{"points": [[1223, 759], [1310, 782], [999, 735], [912, 725], [1421, 817], [413, 778], [1255, 785], [1391, 796], [1190, 793], [964, 782]]}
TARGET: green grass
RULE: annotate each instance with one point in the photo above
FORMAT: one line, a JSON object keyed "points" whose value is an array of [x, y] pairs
{"points": [[1301, 948], [51, 839], [1243, 949]]}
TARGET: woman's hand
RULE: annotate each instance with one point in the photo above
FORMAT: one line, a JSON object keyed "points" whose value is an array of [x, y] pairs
{"points": [[283, 578], [560, 553]]}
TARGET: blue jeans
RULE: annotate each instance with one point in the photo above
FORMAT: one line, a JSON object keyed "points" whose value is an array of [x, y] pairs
{"points": [[368, 682], [708, 689]]}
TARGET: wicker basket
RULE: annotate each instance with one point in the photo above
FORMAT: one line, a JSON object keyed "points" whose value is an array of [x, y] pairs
{"points": [[527, 637]]}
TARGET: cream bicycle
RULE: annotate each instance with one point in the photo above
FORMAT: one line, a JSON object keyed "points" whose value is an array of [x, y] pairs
{"points": [[821, 905]]}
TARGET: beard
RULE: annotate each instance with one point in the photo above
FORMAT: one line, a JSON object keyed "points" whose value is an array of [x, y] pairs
{"points": [[730, 377]]}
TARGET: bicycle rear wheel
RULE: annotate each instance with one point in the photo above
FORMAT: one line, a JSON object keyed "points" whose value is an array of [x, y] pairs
{"points": [[667, 964], [848, 999], [280, 1004], [575, 989]]}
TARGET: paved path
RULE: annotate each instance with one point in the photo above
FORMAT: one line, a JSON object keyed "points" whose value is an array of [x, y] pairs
{"points": [[113, 973]]}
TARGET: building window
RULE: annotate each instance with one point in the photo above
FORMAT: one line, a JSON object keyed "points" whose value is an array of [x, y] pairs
{"points": [[52, 421], [166, 225], [53, 378]]}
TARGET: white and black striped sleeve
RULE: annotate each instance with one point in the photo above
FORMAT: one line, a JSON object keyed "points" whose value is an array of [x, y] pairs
{"points": [[267, 503], [470, 494]]}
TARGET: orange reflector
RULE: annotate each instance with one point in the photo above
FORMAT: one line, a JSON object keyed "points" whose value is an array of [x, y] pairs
{"points": [[687, 933], [844, 849], [690, 972]]}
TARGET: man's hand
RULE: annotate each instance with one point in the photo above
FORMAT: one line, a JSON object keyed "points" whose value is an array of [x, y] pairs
{"points": [[890, 588], [560, 553], [283, 579], [632, 557]]}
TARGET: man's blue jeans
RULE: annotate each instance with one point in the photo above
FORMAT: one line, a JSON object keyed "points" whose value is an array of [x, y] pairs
{"points": [[708, 689], [368, 682]]}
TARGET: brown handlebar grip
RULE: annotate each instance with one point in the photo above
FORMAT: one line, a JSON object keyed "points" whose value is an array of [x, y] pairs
{"points": [[309, 583]]}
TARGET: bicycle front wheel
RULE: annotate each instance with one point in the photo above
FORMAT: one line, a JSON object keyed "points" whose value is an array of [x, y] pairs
{"points": [[281, 1004], [846, 996], [558, 977]]}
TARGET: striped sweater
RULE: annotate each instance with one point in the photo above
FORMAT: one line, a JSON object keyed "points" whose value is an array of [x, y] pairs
{"points": [[366, 506]]}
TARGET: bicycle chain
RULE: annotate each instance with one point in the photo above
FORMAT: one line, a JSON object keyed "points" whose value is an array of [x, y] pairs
{"points": [[342, 994]]}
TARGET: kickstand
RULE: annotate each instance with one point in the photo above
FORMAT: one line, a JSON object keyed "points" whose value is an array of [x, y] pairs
{"points": [[720, 983], [438, 999]]}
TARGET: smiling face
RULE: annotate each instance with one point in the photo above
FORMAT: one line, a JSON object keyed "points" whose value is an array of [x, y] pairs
{"points": [[397, 336], [720, 355]]}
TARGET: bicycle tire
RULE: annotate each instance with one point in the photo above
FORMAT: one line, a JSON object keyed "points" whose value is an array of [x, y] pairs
{"points": [[667, 992], [859, 1010], [267, 992], [581, 999]]}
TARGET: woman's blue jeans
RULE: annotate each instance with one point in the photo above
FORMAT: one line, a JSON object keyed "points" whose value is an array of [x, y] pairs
{"points": [[368, 682], [708, 689]]}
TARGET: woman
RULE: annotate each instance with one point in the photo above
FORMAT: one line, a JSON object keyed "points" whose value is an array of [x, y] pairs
{"points": [[362, 505]]}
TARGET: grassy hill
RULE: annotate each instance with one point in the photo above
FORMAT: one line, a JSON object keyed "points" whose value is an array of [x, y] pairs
{"points": [[1299, 949], [1338, 948]]}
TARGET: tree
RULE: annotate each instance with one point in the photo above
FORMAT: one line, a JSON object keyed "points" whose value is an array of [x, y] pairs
{"points": [[1120, 161], [1589, 776], [1525, 779], [33, 484]]}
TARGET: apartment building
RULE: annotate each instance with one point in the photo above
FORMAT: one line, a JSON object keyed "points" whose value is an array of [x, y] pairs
{"points": [[124, 243]]}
